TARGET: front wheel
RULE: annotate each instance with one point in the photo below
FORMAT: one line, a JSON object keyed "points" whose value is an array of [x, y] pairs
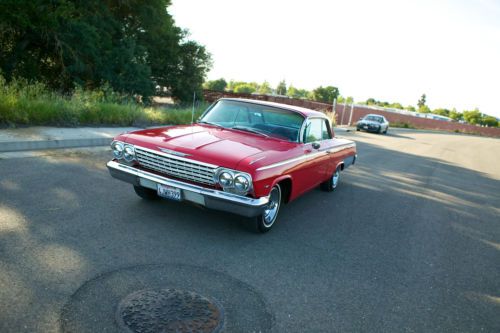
{"points": [[332, 182], [266, 220]]}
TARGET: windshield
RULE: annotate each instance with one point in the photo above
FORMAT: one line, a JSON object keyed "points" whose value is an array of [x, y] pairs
{"points": [[255, 118], [374, 118]]}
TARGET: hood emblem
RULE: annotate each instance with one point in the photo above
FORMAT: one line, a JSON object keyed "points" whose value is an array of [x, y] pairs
{"points": [[173, 152]]}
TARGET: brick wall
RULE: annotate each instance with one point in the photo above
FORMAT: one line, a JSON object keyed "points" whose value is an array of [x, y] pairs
{"points": [[344, 113]]}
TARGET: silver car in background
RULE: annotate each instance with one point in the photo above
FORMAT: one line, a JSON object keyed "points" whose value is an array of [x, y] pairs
{"points": [[373, 123]]}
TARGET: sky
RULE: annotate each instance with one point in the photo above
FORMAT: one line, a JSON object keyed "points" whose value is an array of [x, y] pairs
{"points": [[389, 50]]}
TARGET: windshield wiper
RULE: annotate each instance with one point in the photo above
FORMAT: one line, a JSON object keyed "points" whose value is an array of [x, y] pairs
{"points": [[210, 123], [249, 129]]}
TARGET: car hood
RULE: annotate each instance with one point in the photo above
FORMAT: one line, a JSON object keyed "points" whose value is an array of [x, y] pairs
{"points": [[204, 143], [370, 122]]}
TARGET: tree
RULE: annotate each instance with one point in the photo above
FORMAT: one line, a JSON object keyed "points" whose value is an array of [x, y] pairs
{"points": [[264, 88], [130, 44], [218, 85], [410, 108], [326, 94], [421, 101], [442, 112], [424, 109], [244, 88], [473, 117], [296, 92], [455, 115], [281, 88], [490, 121], [396, 106]]}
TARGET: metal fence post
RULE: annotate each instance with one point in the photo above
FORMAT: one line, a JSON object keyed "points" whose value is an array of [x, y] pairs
{"points": [[350, 116], [334, 110], [343, 113]]}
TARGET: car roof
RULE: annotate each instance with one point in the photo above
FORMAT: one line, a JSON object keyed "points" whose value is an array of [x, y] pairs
{"points": [[303, 111], [373, 114]]}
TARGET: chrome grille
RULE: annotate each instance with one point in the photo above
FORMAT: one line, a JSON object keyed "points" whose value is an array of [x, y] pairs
{"points": [[173, 166]]}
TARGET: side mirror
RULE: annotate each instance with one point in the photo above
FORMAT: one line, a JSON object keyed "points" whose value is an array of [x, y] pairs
{"points": [[316, 145]]}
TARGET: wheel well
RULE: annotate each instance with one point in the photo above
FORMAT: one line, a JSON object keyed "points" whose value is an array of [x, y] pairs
{"points": [[286, 189], [341, 166]]}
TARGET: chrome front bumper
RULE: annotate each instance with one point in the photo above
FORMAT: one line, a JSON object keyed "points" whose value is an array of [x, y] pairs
{"points": [[209, 198]]}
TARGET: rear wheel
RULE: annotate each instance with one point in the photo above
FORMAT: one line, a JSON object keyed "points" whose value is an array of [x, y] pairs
{"points": [[332, 182], [145, 193], [266, 220], [385, 132]]}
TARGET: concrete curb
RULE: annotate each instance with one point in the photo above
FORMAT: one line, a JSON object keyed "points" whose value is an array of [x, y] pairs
{"points": [[13, 146]]}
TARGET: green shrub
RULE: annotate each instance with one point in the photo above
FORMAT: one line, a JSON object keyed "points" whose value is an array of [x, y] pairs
{"points": [[24, 103], [401, 125]]}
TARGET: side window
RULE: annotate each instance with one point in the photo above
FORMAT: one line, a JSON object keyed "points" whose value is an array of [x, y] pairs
{"points": [[313, 131], [316, 130], [326, 134]]}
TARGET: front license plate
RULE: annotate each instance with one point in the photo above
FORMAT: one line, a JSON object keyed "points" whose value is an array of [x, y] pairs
{"points": [[365, 127], [169, 192]]}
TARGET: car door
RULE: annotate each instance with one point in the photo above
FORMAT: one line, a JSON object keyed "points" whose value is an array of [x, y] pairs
{"points": [[317, 141]]}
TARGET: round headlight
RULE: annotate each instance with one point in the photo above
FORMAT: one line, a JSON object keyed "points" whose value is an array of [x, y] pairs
{"points": [[225, 179], [128, 153], [117, 149], [241, 183]]}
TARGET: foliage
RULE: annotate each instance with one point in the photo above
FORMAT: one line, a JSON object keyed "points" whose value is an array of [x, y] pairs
{"points": [[218, 85], [424, 109], [455, 115], [441, 112], [421, 102], [131, 44], [281, 88], [410, 108], [372, 101], [265, 88], [402, 125], [244, 88], [22, 103], [473, 117], [325, 94], [490, 121], [296, 93]]}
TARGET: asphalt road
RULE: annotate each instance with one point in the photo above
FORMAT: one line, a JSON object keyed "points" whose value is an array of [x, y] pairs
{"points": [[410, 242]]}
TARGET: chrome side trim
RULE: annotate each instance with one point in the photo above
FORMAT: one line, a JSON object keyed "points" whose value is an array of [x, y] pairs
{"points": [[256, 160], [308, 156]]}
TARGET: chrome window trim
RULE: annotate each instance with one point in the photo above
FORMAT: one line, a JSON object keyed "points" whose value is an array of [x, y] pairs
{"points": [[303, 128]]}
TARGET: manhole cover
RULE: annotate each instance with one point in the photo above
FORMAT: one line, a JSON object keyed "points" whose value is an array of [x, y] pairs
{"points": [[165, 298], [169, 310]]}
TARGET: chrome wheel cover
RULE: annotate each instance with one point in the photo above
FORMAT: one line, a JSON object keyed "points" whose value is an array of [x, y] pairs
{"points": [[335, 178], [273, 206]]}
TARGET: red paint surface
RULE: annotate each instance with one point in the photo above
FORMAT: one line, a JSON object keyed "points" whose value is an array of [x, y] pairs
{"points": [[248, 152]]}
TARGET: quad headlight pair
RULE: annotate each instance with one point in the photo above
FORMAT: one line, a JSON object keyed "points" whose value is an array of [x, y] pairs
{"points": [[123, 151], [234, 181]]}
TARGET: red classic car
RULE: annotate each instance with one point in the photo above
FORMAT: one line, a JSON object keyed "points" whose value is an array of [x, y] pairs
{"points": [[242, 156]]}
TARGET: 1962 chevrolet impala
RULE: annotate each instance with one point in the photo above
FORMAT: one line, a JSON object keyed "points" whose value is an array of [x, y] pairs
{"points": [[242, 156]]}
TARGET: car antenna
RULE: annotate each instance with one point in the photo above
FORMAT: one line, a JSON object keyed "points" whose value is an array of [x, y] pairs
{"points": [[192, 112]]}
